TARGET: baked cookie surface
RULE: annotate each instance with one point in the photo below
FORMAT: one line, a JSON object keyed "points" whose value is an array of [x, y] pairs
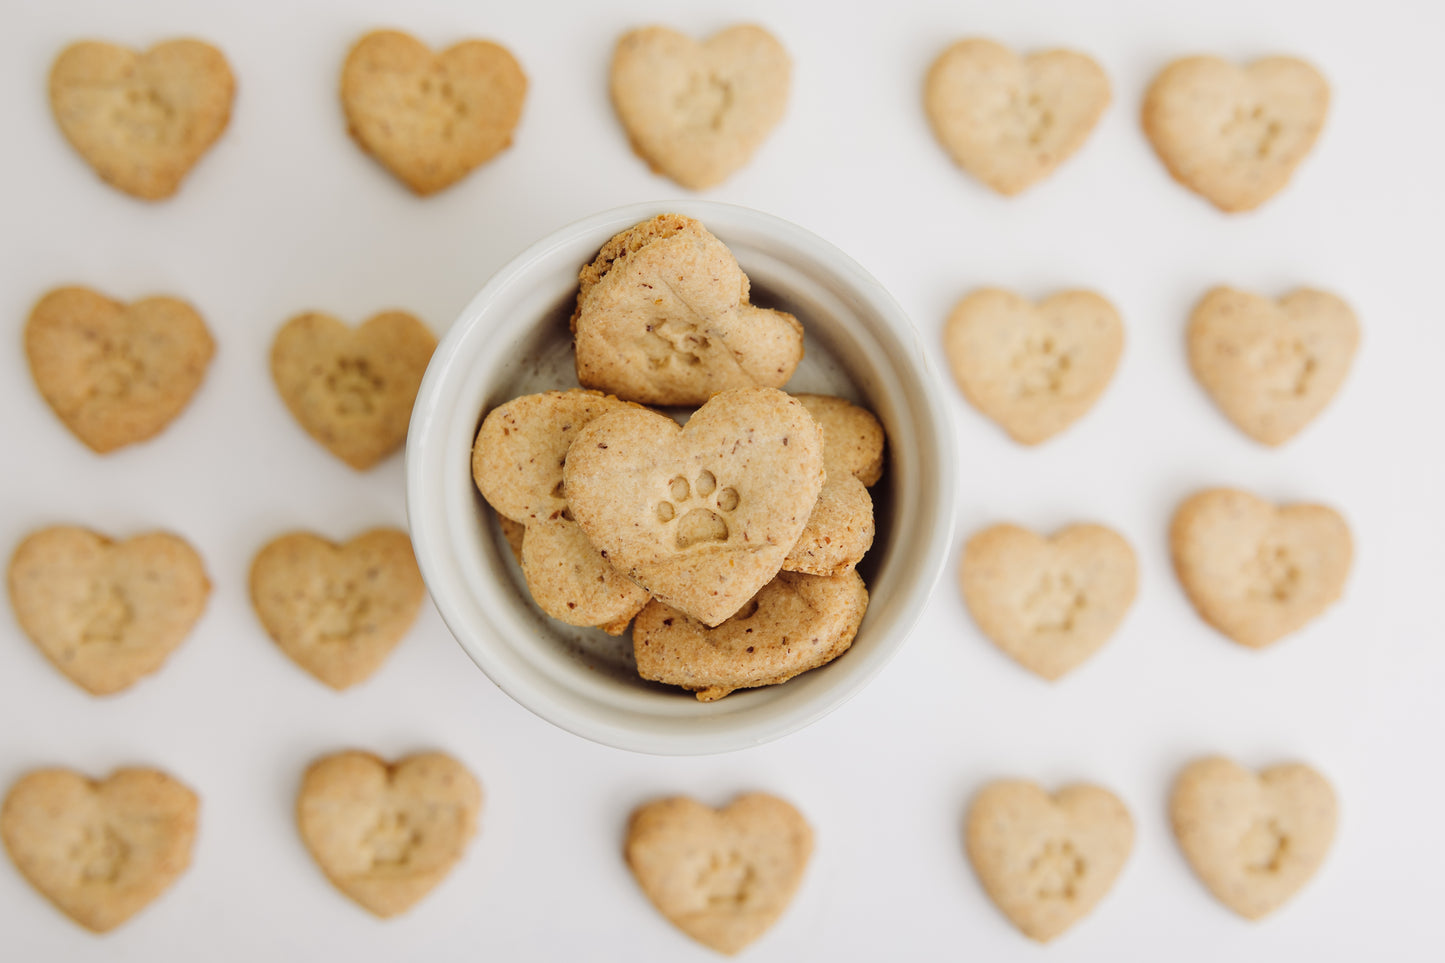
{"points": [[723, 877], [114, 373], [1271, 366], [142, 121], [663, 318], [1047, 859], [99, 850], [795, 623], [386, 834], [841, 528], [701, 516], [431, 118], [106, 613], [1034, 368], [1235, 135], [337, 611], [1008, 120], [1256, 571], [1048, 603], [352, 389], [517, 466], [696, 112], [1253, 839]]}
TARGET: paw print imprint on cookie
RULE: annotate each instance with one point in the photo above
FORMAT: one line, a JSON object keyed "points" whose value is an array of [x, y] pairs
{"points": [[1040, 367], [114, 371], [1286, 366], [697, 526], [1037, 119], [100, 854], [1263, 847], [673, 340], [1055, 602], [147, 117], [354, 385], [705, 101], [438, 100], [1253, 132], [1272, 573], [391, 841], [341, 613], [726, 881], [1057, 870], [106, 614]]}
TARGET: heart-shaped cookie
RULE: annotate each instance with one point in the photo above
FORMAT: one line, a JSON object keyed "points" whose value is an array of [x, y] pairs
{"points": [[696, 112], [1254, 571], [723, 877], [142, 120], [352, 390], [99, 851], [116, 373], [1271, 366], [1235, 134], [840, 530], [663, 318], [1253, 840], [106, 613], [517, 466], [1035, 369], [1044, 860], [1049, 603], [795, 623], [431, 118], [701, 516], [386, 835], [337, 610], [1010, 120]]}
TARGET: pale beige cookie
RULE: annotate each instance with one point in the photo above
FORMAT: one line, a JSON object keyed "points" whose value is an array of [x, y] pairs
{"points": [[1033, 368], [100, 851], [701, 516], [840, 530], [1253, 840], [387, 834], [1049, 603], [431, 118], [1254, 571], [116, 373], [106, 613], [1010, 120], [337, 610], [795, 623], [352, 388], [1046, 860], [1235, 135], [1271, 366], [696, 112], [142, 120], [517, 466], [723, 877], [663, 318]]}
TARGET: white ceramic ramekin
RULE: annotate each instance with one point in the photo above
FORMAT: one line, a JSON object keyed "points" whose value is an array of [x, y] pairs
{"points": [[513, 339]]}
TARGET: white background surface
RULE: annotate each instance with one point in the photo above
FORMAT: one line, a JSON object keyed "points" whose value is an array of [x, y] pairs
{"points": [[286, 214]]}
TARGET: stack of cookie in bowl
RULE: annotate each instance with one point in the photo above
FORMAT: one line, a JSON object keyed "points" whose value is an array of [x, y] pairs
{"points": [[725, 527]]}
